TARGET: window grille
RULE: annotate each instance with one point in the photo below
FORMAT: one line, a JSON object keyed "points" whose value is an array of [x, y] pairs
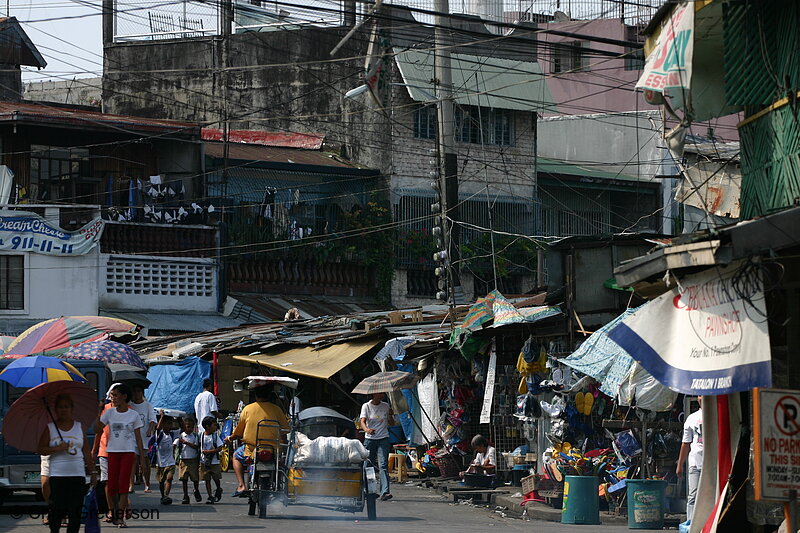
{"points": [[486, 126], [159, 278], [425, 122], [12, 282]]}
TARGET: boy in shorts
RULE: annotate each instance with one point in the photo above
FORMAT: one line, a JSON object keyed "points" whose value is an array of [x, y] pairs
{"points": [[188, 451], [210, 446], [165, 457]]}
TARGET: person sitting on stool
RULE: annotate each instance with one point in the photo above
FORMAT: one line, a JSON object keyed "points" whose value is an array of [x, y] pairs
{"points": [[485, 461]]}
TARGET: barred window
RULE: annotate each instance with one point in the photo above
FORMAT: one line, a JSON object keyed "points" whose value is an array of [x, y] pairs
{"points": [[484, 126], [425, 122], [12, 282]]}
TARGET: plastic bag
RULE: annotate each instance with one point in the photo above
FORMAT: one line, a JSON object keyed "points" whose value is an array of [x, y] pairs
{"points": [[628, 443], [339, 450], [90, 519]]}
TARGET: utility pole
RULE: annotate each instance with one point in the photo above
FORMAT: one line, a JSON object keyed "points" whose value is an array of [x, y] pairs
{"points": [[448, 162], [226, 20]]}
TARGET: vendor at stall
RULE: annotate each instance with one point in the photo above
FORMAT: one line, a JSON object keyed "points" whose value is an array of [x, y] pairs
{"points": [[485, 461]]}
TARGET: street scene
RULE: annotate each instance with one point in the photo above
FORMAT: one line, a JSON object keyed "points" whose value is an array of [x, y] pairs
{"points": [[407, 265]]}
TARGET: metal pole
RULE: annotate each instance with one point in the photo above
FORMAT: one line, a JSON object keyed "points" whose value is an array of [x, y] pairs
{"points": [[792, 510], [448, 162]]}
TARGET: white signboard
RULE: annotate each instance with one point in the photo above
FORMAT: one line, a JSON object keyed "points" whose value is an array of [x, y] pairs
{"points": [[708, 336], [776, 433], [669, 65], [23, 231], [488, 393]]}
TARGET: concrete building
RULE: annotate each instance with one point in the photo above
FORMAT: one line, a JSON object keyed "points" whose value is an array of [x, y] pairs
{"points": [[277, 74]]}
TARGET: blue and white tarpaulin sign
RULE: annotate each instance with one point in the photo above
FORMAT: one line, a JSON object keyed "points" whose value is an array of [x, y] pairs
{"points": [[23, 231], [708, 336]]}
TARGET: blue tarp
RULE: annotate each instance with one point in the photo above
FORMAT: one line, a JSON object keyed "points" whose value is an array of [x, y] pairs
{"points": [[175, 386]]}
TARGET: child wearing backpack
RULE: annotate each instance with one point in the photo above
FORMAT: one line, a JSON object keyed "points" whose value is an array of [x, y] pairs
{"points": [[165, 456], [187, 452]]}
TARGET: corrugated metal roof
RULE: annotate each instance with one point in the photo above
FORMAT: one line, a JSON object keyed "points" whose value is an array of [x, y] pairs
{"points": [[29, 112], [554, 166], [275, 307], [255, 152], [309, 141], [176, 322], [479, 81]]}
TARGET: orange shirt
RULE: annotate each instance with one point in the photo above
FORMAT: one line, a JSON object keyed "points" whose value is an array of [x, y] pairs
{"points": [[104, 437]]}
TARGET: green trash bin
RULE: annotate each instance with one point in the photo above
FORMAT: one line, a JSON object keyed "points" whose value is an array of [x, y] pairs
{"points": [[646, 503], [581, 503]]}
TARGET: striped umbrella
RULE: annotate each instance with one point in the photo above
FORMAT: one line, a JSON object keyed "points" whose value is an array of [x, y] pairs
{"points": [[386, 382], [38, 369], [107, 351], [56, 336]]}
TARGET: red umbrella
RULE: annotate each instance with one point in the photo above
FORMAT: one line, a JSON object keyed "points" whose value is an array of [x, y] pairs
{"points": [[28, 416], [56, 336]]}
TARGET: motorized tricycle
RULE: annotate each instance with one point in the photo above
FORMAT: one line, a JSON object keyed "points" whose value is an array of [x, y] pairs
{"points": [[277, 479]]}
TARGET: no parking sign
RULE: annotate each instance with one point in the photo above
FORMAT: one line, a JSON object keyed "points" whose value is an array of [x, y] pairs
{"points": [[776, 417]]}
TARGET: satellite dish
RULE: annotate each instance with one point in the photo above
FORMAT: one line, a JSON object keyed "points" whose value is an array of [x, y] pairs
{"points": [[560, 16]]}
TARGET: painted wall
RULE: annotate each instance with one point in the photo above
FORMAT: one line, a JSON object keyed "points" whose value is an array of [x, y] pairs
{"points": [[56, 286]]}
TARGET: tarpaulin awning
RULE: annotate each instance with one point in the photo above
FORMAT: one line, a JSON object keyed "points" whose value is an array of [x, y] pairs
{"points": [[308, 361]]}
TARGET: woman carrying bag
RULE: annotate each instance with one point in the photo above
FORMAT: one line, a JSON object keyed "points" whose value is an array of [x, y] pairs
{"points": [[70, 458]]}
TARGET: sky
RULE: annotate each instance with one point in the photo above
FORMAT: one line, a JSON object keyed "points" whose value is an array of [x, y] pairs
{"points": [[67, 33]]}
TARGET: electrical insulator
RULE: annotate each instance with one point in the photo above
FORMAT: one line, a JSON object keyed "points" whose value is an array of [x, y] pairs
{"points": [[436, 231], [441, 284], [440, 255], [440, 271], [441, 295], [434, 184], [433, 163], [436, 208]]}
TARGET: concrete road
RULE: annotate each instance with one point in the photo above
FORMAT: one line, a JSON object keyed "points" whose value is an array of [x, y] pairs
{"points": [[412, 510]]}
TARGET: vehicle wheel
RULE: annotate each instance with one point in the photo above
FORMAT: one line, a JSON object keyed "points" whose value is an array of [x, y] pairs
{"points": [[251, 500], [372, 513], [264, 496], [225, 458]]}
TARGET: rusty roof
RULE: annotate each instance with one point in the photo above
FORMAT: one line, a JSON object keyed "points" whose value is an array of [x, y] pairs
{"points": [[271, 154], [27, 112], [310, 141]]}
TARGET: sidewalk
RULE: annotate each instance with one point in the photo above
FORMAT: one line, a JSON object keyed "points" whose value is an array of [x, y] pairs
{"points": [[535, 510]]}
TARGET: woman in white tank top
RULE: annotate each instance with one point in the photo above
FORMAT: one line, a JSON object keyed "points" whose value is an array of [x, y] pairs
{"points": [[70, 460]]}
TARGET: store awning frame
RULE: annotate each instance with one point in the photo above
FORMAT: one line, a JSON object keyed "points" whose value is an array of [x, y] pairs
{"points": [[309, 361]]}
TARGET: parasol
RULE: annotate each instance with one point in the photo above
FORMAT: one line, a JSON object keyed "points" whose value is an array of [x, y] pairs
{"points": [[386, 382], [107, 351], [38, 369], [56, 336], [29, 415]]}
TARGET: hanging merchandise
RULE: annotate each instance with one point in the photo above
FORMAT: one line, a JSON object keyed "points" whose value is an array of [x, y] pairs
{"points": [[532, 360]]}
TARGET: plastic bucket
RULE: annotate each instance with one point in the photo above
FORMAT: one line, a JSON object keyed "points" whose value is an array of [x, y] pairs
{"points": [[581, 503], [646, 503]]}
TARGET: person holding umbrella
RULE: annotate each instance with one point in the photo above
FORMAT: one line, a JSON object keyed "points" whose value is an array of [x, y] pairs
{"points": [[376, 415], [123, 441], [70, 458]]}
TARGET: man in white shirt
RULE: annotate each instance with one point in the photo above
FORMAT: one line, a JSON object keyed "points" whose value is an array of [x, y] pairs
{"points": [[691, 450], [148, 416], [375, 417], [205, 403]]}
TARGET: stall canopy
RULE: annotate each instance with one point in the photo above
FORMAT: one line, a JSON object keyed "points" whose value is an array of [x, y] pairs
{"points": [[616, 371], [309, 361]]}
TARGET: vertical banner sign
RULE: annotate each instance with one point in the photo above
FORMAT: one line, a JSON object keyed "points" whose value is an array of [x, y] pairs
{"points": [[707, 336], [669, 65], [488, 394], [776, 434]]}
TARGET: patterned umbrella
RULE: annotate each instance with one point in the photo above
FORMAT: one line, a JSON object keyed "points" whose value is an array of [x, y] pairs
{"points": [[38, 369], [56, 336], [107, 351], [386, 382], [29, 415]]}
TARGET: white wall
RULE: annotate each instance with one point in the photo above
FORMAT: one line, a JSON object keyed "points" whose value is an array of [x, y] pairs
{"points": [[144, 283], [58, 285], [628, 143]]}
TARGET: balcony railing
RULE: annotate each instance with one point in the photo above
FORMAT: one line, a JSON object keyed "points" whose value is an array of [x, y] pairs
{"points": [[300, 277], [159, 240]]}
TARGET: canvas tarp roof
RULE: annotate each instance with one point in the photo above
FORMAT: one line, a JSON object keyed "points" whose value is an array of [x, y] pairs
{"points": [[308, 361]]}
